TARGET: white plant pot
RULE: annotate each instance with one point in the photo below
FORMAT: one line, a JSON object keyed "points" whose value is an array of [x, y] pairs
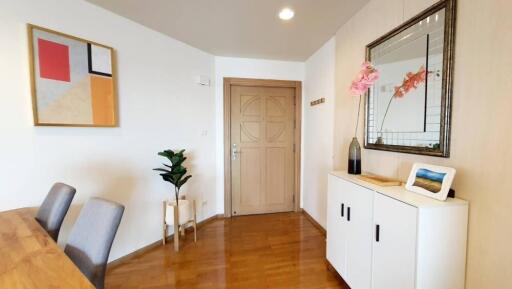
{"points": [[184, 211]]}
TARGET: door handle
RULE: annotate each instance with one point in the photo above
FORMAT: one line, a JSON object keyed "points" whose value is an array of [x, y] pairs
{"points": [[234, 152], [348, 214], [342, 210], [377, 233]]}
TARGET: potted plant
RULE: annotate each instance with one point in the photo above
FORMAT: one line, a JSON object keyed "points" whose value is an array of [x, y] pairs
{"points": [[180, 210], [174, 173], [360, 85]]}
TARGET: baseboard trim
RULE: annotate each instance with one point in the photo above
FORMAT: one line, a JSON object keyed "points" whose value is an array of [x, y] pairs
{"points": [[314, 222], [115, 263]]}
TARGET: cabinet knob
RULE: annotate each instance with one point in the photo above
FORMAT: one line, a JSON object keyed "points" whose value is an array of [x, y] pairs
{"points": [[348, 214], [342, 210], [377, 233]]}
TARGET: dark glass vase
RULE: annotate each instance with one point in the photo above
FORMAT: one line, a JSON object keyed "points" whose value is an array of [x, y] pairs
{"points": [[354, 157]]}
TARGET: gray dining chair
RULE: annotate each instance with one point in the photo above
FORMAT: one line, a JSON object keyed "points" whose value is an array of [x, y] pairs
{"points": [[92, 236], [54, 208]]}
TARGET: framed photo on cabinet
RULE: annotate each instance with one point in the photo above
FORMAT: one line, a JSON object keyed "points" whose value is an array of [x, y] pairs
{"points": [[431, 181], [72, 80]]}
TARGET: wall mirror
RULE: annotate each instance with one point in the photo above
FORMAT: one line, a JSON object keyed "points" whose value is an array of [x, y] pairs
{"points": [[408, 108]]}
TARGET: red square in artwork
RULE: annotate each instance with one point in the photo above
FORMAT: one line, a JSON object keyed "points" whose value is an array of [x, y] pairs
{"points": [[53, 60]]}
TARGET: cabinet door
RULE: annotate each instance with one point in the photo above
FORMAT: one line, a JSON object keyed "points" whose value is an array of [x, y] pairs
{"points": [[336, 225], [360, 237], [394, 251]]}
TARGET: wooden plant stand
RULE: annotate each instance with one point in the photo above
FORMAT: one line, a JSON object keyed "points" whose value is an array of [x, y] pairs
{"points": [[177, 227]]}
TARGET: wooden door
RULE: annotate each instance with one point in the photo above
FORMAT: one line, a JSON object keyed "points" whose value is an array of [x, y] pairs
{"points": [[262, 149], [359, 238], [336, 225], [394, 251]]}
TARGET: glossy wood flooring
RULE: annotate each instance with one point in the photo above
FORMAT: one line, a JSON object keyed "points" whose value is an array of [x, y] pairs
{"points": [[250, 252]]}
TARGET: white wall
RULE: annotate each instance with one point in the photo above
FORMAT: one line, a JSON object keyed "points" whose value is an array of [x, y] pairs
{"points": [[481, 140], [318, 123], [244, 68], [160, 107]]}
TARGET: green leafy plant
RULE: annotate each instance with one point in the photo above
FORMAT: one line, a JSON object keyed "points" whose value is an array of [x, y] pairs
{"points": [[174, 173]]}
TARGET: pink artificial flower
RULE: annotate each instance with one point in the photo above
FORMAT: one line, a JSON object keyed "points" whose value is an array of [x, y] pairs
{"points": [[411, 82], [364, 79], [358, 87], [399, 92]]}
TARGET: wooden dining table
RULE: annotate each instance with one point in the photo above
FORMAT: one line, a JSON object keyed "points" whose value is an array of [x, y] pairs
{"points": [[30, 259]]}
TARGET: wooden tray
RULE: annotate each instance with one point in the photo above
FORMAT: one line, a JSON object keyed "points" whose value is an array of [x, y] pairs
{"points": [[379, 180]]}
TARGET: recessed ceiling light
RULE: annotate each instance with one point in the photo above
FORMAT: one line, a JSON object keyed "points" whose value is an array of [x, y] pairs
{"points": [[286, 14]]}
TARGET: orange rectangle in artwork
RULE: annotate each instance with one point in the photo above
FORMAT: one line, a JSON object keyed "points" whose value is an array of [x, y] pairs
{"points": [[102, 94]]}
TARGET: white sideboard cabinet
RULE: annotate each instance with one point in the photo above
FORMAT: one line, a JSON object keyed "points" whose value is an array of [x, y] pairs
{"points": [[390, 238]]}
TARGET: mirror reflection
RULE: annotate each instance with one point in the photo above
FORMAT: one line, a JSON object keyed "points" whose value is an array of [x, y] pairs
{"points": [[404, 105]]}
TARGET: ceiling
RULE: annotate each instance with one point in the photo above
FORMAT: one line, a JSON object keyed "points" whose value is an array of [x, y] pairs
{"points": [[242, 28]]}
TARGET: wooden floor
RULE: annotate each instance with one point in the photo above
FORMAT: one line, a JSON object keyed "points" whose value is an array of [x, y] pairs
{"points": [[250, 252]]}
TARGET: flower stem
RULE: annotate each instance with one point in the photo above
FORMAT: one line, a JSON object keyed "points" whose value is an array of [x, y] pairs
{"points": [[385, 114], [357, 121]]}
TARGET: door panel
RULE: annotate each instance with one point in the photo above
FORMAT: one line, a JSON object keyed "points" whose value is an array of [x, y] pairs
{"points": [[359, 239], [250, 132], [250, 176], [262, 135], [275, 173], [394, 255], [336, 225]]}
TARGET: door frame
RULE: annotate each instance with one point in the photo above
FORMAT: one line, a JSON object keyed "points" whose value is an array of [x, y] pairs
{"points": [[230, 81]]}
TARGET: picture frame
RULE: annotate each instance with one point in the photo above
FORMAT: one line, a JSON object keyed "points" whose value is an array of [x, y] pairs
{"points": [[73, 80], [430, 180]]}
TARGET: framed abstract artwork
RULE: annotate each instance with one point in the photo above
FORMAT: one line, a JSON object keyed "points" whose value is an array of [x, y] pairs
{"points": [[431, 181], [73, 80]]}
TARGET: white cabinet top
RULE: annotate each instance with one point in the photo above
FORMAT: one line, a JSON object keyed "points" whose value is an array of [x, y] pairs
{"points": [[400, 193]]}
